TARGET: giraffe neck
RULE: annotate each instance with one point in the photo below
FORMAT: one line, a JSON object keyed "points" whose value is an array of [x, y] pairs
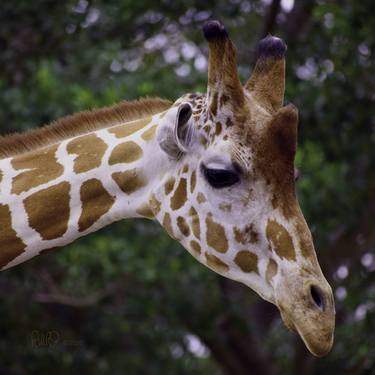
{"points": [[52, 196]]}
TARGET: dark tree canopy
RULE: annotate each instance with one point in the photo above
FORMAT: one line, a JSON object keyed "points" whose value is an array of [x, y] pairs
{"points": [[128, 299]]}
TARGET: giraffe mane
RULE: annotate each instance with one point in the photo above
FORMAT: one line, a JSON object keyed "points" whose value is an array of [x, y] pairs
{"points": [[79, 124]]}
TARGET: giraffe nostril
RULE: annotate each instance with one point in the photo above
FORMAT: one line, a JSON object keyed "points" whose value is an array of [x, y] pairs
{"points": [[317, 297]]}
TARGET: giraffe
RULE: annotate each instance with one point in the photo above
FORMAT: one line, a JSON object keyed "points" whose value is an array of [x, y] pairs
{"points": [[216, 170]]}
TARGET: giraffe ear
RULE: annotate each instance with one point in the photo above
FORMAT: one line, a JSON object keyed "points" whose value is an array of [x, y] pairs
{"points": [[183, 130], [176, 135]]}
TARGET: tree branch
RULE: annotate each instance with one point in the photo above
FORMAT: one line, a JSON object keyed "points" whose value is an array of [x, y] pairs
{"points": [[270, 18], [304, 362], [231, 342], [351, 243], [55, 295], [297, 21]]}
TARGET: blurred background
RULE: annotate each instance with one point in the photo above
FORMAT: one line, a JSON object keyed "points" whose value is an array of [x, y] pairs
{"points": [[128, 299]]}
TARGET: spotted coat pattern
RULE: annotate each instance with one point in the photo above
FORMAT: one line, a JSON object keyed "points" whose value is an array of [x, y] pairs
{"points": [[52, 195]]}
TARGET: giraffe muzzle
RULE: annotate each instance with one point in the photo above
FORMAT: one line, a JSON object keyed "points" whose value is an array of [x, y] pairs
{"points": [[307, 306]]}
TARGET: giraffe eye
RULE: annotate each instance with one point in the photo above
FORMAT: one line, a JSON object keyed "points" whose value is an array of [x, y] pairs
{"points": [[220, 178]]}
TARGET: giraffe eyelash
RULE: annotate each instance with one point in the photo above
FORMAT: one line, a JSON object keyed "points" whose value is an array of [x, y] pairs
{"points": [[240, 161]]}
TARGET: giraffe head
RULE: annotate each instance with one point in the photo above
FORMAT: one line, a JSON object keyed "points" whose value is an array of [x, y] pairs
{"points": [[229, 194]]}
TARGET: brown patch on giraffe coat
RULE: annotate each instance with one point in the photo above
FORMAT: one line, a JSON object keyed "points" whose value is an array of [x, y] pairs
{"points": [[195, 247], [271, 270], [149, 134], [195, 224], [203, 141], [169, 185], [122, 131], [280, 240], [11, 245], [247, 261], [154, 204], [226, 207], [89, 150], [167, 224], [185, 168], [48, 210], [180, 195], [126, 152], [193, 181], [215, 235], [183, 226], [216, 263], [96, 201], [42, 167], [145, 211], [223, 100], [218, 128], [245, 235], [229, 122], [246, 199], [201, 198], [213, 104], [306, 242], [129, 181]]}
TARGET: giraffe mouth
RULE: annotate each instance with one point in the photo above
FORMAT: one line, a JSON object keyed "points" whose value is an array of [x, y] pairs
{"points": [[307, 307], [318, 339]]}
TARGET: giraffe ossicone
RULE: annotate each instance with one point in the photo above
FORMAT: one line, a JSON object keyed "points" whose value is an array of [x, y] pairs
{"points": [[215, 169]]}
